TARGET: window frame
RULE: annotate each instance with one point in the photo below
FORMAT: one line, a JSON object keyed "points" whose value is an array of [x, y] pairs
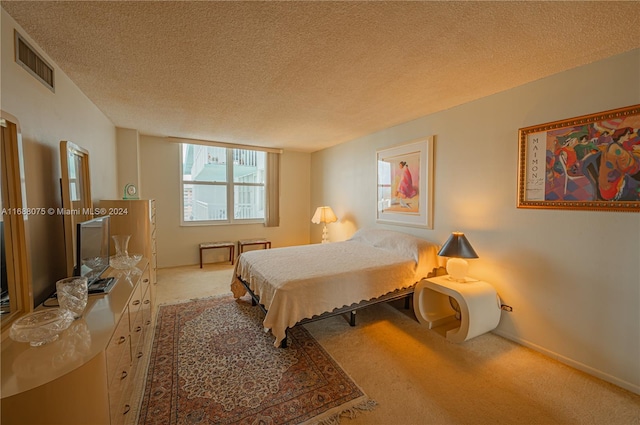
{"points": [[229, 184]]}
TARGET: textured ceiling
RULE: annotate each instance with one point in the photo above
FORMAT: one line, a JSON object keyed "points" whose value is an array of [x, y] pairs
{"points": [[309, 75]]}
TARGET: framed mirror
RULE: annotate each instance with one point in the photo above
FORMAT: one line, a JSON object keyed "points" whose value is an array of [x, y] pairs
{"points": [[76, 195], [14, 236]]}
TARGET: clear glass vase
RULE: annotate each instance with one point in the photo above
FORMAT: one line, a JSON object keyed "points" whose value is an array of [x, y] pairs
{"points": [[121, 243], [122, 260]]}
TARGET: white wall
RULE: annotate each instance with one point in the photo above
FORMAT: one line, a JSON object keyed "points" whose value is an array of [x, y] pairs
{"points": [[128, 159], [46, 118], [178, 245], [572, 277]]}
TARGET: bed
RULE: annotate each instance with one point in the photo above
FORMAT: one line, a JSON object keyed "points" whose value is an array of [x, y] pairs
{"points": [[303, 283]]}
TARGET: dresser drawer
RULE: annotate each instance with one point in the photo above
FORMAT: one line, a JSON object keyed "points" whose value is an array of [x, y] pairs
{"points": [[147, 320], [145, 282], [120, 400], [135, 304], [119, 348], [137, 335]]}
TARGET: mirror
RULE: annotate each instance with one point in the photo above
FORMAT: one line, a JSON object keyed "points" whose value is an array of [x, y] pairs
{"points": [[76, 195], [16, 266]]}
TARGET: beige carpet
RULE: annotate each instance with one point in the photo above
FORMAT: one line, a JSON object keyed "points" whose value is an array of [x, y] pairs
{"points": [[417, 377]]}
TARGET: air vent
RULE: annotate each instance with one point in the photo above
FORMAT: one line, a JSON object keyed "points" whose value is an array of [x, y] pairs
{"points": [[29, 59]]}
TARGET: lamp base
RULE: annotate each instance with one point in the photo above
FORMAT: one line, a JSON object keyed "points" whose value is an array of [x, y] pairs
{"points": [[325, 235], [457, 269]]}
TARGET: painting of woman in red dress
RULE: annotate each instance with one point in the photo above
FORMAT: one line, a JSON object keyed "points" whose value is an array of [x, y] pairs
{"points": [[404, 193], [406, 188]]}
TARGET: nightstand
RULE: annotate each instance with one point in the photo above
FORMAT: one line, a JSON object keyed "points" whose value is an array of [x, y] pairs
{"points": [[478, 301]]}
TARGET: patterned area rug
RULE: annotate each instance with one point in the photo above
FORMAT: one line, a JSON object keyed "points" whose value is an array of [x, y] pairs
{"points": [[212, 363]]}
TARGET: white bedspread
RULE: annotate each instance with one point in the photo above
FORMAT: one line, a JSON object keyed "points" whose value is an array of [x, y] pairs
{"points": [[299, 282]]}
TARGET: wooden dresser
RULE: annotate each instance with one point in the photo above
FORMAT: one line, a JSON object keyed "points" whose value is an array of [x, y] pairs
{"points": [[89, 374]]}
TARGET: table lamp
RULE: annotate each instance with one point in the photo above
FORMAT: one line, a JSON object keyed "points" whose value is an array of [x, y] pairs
{"points": [[324, 215], [457, 248]]}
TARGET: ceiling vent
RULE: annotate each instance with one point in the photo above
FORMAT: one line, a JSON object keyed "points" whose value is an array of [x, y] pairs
{"points": [[34, 63]]}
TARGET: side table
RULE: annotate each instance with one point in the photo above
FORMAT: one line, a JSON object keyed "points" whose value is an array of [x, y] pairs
{"points": [[478, 301]]}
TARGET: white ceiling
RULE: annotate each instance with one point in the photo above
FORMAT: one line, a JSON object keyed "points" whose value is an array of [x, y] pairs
{"points": [[309, 75]]}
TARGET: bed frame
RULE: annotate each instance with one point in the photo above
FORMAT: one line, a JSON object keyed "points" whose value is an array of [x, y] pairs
{"points": [[406, 293]]}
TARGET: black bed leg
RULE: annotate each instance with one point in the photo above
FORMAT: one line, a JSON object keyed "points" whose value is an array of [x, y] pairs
{"points": [[253, 302], [283, 343], [352, 318], [407, 302]]}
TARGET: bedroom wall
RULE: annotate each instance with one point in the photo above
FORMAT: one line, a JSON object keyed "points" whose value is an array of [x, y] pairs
{"points": [[46, 118], [178, 245], [572, 277]]}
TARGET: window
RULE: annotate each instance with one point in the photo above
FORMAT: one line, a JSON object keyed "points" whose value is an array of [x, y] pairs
{"points": [[222, 185]]}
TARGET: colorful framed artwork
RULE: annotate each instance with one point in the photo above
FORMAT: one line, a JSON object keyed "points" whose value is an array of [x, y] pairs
{"points": [[405, 184], [590, 162]]}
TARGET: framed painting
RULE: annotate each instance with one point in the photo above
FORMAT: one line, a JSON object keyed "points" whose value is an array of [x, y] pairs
{"points": [[590, 162], [405, 184]]}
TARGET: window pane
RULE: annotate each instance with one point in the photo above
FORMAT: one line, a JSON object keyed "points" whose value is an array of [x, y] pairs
{"points": [[248, 202], [204, 163], [248, 166], [205, 202]]}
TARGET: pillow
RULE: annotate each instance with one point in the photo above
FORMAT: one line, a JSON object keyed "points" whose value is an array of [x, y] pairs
{"points": [[402, 244], [421, 251], [369, 236]]}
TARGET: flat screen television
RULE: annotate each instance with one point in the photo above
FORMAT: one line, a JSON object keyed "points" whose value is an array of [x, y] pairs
{"points": [[92, 248]]}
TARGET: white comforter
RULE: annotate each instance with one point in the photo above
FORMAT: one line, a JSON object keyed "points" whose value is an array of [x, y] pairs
{"points": [[299, 282]]}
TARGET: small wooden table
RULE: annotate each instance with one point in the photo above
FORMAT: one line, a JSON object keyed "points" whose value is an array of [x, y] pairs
{"points": [[246, 242], [212, 245]]}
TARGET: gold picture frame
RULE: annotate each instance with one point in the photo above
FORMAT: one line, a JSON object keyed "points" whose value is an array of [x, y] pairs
{"points": [[591, 162]]}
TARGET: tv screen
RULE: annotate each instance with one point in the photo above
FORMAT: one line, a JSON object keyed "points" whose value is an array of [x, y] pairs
{"points": [[92, 249]]}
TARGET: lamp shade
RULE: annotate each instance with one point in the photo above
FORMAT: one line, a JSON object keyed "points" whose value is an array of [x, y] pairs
{"points": [[324, 215], [457, 246]]}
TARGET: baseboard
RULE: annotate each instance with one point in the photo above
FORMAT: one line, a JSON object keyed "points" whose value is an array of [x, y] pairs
{"points": [[570, 362]]}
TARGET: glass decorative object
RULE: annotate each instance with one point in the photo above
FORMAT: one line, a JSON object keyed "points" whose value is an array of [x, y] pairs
{"points": [[125, 263], [41, 327], [72, 294], [121, 242], [122, 260]]}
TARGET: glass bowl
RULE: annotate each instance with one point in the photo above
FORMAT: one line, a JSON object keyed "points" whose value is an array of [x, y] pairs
{"points": [[125, 262], [41, 327], [136, 258]]}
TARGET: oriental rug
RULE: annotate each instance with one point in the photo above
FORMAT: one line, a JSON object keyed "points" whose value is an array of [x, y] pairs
{"points": [[212, 363]]}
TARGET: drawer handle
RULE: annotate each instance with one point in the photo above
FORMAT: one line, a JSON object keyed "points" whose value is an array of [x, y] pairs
{"points": [[126, 409], [148, 322], [138, 328], [123, 375], [146, 281], [147, 301], [140, 354], [136, 302], [122, 339]]}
